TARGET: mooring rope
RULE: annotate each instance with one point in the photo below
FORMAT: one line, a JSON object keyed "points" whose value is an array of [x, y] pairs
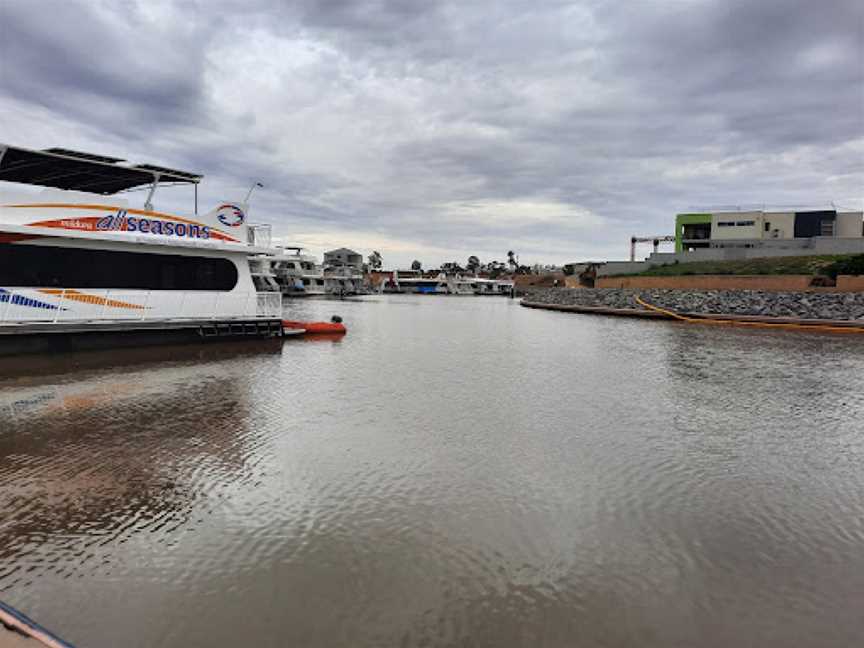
{"points": [[730, 322]]}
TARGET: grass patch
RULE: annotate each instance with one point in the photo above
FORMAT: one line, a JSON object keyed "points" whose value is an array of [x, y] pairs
{"points": [[826, 265]]}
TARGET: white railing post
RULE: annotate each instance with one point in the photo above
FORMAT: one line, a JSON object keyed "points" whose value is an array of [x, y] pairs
{"points": [[146, 304], [104, 304], [9, 295], [57, 311]]}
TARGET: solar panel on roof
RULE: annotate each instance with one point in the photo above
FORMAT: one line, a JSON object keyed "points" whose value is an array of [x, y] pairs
{"points": [[84, 156], [165, 170], [66, 169]]}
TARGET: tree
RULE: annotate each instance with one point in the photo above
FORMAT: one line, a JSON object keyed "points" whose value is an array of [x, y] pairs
{"points": [[512, 260], [495, 268], [473, 263], [375, 261], [416, 265]]}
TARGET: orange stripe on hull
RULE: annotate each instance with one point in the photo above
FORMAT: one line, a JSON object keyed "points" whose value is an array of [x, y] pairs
{"points": [[137, 212], [111, 208], [84, 298]]}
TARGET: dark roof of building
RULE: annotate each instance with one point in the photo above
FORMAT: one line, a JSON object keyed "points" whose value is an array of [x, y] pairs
{"points": [[65, 169], [343, 251]]}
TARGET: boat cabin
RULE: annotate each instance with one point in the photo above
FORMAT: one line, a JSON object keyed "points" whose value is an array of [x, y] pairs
{"points": [[73, 247]]}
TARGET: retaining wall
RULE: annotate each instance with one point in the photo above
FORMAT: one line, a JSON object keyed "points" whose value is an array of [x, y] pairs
{"points": [[850, 283], [780, 283]]}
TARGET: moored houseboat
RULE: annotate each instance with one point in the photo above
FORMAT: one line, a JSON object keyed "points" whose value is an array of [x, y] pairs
{"points": [[414, 282], [298, 274], [76, 258], [495, 287], [343, 273]]}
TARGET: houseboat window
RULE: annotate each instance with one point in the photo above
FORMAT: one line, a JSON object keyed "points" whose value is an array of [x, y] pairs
{"points": [[290, 265], [745, 223], [42, 266], [726, 224]]}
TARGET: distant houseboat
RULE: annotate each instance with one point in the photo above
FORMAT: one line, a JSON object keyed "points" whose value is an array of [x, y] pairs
{"points": [[443, 284], [343, 273], [298, 274], [414, 282]]}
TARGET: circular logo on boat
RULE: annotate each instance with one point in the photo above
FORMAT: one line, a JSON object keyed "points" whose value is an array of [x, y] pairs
{"points": [[230, 215]]}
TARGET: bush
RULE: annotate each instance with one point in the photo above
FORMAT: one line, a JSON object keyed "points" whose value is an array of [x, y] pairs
{"points": [[853, 265]]}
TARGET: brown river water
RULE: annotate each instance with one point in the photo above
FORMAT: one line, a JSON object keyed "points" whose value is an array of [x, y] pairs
{"points": [[454, 472]]}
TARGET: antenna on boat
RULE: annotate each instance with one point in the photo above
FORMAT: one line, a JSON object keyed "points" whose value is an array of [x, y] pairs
{"points": [[251, 189], [148, 203]]}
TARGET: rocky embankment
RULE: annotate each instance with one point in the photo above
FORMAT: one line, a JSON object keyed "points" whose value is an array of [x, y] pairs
{"points": [[809, 305]]}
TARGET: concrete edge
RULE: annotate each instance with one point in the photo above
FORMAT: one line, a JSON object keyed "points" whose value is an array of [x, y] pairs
{"points": [[632, 312], [596, 310]]}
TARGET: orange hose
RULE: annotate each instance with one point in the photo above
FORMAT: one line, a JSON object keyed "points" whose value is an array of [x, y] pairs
{"points": [[796, 327]]}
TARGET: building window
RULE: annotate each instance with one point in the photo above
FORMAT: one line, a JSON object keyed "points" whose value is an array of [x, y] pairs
{"points": [[726, 224], [767, 226], [43, 266], [745, 223]]}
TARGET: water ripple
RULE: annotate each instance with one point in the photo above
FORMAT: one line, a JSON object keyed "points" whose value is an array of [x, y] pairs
{"points": [[452, 473]]}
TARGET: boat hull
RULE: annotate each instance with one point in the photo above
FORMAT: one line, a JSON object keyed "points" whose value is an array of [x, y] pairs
{"points": [[61, 338]]}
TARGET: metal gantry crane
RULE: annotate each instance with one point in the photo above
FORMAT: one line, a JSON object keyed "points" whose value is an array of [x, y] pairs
{"points": [[656, 240]]}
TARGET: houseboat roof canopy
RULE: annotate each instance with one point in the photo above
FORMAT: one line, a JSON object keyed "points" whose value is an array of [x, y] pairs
{"points": [[64, 169]]}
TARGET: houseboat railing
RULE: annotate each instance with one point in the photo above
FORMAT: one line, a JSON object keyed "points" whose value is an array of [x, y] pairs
{"points": [[57, 306], [259, 235]]}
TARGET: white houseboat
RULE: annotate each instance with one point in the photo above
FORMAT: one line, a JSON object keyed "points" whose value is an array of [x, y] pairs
{"points": [[298, 274], [76, 257], [343, 273], [459, 285], [498, 287], [413, 282], [446, 284]]}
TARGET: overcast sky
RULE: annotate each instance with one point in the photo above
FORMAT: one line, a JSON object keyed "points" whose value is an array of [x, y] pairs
{"points": [[435, 130]]}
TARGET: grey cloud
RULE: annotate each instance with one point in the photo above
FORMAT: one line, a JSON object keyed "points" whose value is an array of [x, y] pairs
{"points": [[746, 62], [631, 111], [76, 58]]}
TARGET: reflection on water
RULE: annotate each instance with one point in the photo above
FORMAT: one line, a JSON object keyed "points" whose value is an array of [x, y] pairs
{"points": [[452, 472]]}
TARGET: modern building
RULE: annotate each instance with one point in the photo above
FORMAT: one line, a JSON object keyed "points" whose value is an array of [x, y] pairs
{"points": [[767, 228]]}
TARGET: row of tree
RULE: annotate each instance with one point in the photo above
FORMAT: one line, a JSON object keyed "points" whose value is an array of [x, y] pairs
{"points": [[375, 262]]}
